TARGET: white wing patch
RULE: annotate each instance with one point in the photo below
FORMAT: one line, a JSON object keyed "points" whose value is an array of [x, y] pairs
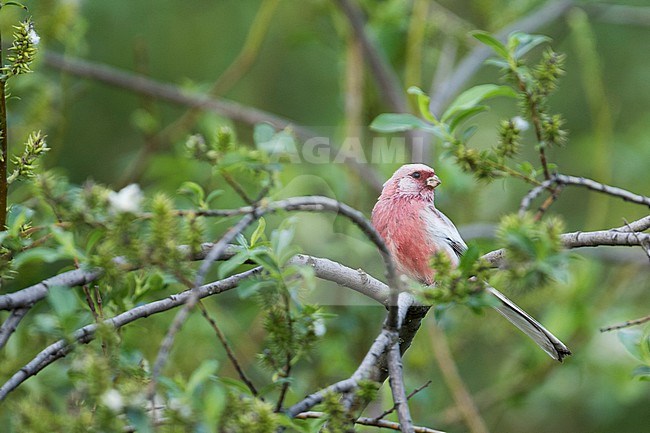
{"points": [[443, 232]]}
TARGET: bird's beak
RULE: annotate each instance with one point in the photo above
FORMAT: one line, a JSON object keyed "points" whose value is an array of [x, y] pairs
{"points": [[433, 181]]}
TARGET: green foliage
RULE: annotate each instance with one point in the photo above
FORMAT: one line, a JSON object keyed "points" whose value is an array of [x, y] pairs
{"points": [[23, 49], [462, 284], [532, 86], [245, 414], [637, 343], [25, 163], [338, 420], [533, 251]]}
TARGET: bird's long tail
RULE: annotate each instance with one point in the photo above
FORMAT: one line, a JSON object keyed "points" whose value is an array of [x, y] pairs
{"points": [[529, 326]]}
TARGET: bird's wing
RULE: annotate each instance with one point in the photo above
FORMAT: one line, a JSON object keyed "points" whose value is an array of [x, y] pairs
{"points": [[447, 231], [529, 326]]}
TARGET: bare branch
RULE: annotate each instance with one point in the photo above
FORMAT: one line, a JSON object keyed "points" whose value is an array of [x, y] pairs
{"points": [[396, 380], [364, 371], [626, 324], [84, 335], [613, 237], [387, 80], [220, 106], [372, 422], [408, 397], [9, 326], [32, 294]]}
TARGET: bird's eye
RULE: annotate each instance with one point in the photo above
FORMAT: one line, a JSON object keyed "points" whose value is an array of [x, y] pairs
{"points": [[416, 175]]}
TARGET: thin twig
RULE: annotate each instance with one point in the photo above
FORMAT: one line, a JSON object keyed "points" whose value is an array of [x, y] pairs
{"points": [[601, 187], [324, 268], [89, 301], [555, 194], [229, 352], [455, 382], [408, 397], [286, 373], [562, 179], [4, 156], [237, 188], [373, 422], [626, 324], [387, 81]]}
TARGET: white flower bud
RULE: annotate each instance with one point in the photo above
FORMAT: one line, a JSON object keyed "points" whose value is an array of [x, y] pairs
{"points": [[128, 199], [319, 327], [520, 123], [112, 399]]}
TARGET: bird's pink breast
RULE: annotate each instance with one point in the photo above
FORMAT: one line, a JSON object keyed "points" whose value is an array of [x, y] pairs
{"points": [[400, 223]]}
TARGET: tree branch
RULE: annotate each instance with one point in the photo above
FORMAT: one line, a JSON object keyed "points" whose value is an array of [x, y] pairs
{"points": [[372, 422], [562, 179], [626, 324], [84, 335], [387, 81], [9, 326], [220, 106]]}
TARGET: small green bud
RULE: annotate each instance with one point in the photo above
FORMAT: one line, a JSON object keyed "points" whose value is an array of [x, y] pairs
{"points": [[509, 139], [23, 49]]}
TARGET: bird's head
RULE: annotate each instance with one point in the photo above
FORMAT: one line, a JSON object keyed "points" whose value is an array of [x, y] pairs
{"points": [[415, 180]]}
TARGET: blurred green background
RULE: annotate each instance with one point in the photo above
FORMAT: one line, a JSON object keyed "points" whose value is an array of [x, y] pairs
{"points": [[301, 68]]}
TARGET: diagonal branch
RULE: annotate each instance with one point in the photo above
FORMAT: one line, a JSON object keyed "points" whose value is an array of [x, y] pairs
{"points": [[387, 80], [562, 179], [9, 326], [223, 107], [84, 335]]}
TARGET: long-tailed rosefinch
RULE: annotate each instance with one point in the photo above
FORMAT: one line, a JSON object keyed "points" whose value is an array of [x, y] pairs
{"points": [[414, 230]]}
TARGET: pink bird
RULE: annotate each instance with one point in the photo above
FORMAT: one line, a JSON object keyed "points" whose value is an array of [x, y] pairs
{"points": [[413, 229]]}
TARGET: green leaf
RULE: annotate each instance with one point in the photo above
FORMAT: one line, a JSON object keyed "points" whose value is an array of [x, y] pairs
{"points": [[469, 132], [472, 97], [465, 115], [14, 3], [213, 194], [138, 419], [263, 133], [206, 370], [235, 385], [259, 232], [39, 255], [423, 103], [631, 339], [250, 287], [521, 43], [62, 300], [468, 259], [492, 42], [233, 263], [642, 372], [193, 190], [399, 122]]}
